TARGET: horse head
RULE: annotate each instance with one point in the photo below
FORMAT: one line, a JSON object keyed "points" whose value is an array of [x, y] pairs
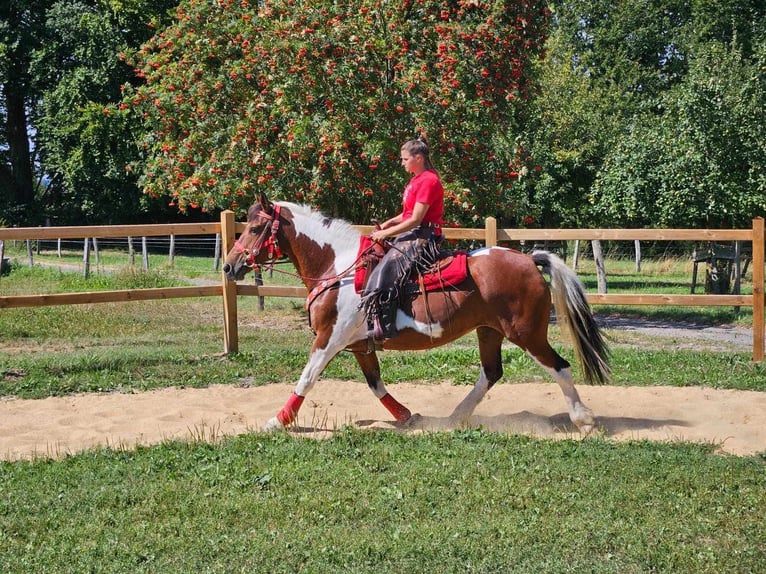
{"points": [[258, 243]]}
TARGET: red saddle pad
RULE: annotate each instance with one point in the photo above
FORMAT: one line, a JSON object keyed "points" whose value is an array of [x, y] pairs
{"points": [[444, 277]]}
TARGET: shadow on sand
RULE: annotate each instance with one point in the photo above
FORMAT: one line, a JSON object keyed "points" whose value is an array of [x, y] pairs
{"points": [[523, 422]]}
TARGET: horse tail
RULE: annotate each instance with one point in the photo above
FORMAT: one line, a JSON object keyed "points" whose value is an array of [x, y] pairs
{"points": [[574, 313]]}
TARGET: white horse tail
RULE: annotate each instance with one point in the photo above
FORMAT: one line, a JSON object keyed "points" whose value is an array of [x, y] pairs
{"points": [[574, 314]]}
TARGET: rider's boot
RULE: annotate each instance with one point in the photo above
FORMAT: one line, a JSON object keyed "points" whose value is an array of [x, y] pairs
{"points": [[384, 321]]}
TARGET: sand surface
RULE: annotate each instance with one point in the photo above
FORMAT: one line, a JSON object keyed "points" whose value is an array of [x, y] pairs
{"points": [[735, 421]]}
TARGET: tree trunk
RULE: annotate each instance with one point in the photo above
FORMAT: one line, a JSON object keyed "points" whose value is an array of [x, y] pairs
{"points": [[22, 178]]}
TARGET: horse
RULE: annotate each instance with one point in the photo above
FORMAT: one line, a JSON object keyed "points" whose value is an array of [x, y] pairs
{"points": [[504, 296]]}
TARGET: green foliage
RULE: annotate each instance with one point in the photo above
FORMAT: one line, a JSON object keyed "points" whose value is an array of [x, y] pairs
{"points": [[22, 31], [87, 153], [632, 45], [310, 101], [380, 502], [651, 114], [700, 163], [571, 125], [66, 55]]}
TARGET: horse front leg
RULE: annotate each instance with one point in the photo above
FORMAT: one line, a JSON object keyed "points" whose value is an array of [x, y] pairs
{"points": [[318, 360], [368, 361]]}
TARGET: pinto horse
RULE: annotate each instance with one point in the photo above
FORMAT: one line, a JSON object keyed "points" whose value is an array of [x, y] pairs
{"points": [[504, 296]]}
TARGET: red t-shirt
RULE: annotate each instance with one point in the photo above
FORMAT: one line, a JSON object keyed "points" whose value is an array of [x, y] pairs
{"points": [[425, 187]]}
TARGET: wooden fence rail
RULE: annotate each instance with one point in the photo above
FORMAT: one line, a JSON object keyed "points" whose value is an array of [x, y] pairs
{"points": [[490, 235]]}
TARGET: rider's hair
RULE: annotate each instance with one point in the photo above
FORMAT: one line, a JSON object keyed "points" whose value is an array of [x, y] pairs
{"points": [[419, 146]]}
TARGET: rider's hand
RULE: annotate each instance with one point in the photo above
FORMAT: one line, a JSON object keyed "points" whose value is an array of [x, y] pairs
{"points": [[378, 235]]}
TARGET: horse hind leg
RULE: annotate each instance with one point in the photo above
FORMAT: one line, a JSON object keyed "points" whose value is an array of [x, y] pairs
{"points": [[490, 345], [560, 369]]}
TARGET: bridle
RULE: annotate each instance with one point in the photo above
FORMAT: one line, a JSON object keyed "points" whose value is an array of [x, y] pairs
{"points": [[266, 240]]}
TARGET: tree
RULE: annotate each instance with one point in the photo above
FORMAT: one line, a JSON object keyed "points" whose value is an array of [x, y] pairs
{"points": [[702, 162], [650, 113], [21, 33], [570, 127], [605, 62], [60, 70], [84, 147], [311, 100]]}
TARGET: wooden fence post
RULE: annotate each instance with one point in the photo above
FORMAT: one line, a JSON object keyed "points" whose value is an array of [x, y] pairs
{"points": [[131, 251], [576, 255], [759, 303], [217, 253], [259, 281], [598, 257], [230, 334], [490, 232]]}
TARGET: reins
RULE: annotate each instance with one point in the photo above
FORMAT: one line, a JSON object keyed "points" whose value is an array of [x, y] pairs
{"points": [[305, 278]]}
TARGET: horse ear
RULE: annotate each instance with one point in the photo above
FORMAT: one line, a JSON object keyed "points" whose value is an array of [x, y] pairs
{"points": [[266, 205]]}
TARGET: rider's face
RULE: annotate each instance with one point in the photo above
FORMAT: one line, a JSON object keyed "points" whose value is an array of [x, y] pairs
{"points": [[412, 163]]}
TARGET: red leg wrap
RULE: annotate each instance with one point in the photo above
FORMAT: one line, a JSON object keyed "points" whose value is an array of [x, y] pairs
{"points": [[290, 410], [401, 413]]}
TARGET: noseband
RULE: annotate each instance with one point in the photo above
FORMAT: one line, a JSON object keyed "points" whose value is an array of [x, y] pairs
{"points": [[267, 239]]}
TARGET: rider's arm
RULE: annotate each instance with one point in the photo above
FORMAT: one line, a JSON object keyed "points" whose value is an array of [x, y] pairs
{"points": [[395, 220], [418, 213]]}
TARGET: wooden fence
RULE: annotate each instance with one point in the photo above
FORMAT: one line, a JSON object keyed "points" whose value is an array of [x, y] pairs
{"points": [[490, 235]]}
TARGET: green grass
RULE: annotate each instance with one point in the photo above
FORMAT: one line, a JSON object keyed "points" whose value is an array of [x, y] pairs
{"points": [[65, 273], [59, 350], [138, 346], [670, 276], [54, 274], [381, 502], [466, 501]]}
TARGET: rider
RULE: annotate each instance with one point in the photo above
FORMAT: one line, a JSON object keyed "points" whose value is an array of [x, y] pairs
{"points": [[417, 230]]}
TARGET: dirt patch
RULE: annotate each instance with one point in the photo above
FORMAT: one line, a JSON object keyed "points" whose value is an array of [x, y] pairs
{"points": [[734, 421], [681, 335]]}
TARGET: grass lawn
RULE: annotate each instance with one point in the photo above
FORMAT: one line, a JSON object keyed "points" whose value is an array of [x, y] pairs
{"points": [[362, 501], [383, 502]]}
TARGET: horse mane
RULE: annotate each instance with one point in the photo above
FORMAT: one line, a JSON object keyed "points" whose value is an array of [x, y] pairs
{"points": [[328, 227]]}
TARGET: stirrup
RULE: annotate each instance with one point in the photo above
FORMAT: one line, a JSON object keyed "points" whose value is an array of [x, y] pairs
{"points": [[382, 332], [383, 324]]}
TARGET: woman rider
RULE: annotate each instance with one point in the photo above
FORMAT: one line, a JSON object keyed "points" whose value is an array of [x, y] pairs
{"points": [[417, 231]]}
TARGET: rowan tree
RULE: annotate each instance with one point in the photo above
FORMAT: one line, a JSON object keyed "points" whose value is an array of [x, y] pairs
{"points": [[310, 101]]}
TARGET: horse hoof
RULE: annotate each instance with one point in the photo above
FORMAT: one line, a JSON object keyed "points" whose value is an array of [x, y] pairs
{"points": [[409, 422], [587, 428], [272, 425]]}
